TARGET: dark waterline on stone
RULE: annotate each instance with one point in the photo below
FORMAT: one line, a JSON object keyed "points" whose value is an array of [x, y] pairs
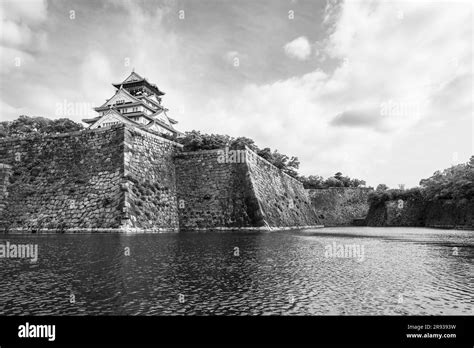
{"points": [[405, 271]]}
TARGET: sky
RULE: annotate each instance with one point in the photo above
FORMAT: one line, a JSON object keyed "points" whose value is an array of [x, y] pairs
{"points": [[377, 90]]}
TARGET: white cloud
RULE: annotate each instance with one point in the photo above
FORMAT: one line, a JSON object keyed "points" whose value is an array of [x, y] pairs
{"points": [[19, 22], [29, 11], [20, 40], [96, 78], [299, 48], [392, 71]]}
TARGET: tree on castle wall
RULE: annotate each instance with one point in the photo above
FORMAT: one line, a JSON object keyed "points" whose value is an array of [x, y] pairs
{"points": [[338, 180], [456, 182], [26, 125]]}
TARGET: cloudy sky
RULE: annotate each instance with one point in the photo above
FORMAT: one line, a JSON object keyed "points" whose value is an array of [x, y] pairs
{"points": [[377, 90]]}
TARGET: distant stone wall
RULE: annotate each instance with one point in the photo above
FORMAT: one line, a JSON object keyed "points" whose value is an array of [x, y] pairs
{"points": [[405, 213], [149, 183], [376, 216], [214, 194], [64, 181], [450, 214], [339, 206], [419, 213], [397, 213], [282, 199]]}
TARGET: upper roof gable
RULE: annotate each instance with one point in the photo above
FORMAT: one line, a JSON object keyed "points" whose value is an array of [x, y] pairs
{"points": [[133, 77], [120, 95]]}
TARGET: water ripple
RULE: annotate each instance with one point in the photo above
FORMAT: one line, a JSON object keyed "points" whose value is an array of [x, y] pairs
{"points": [[404, 271]]}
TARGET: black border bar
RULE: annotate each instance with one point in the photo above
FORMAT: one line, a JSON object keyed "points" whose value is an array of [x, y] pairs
{"points": [[219, 330]]}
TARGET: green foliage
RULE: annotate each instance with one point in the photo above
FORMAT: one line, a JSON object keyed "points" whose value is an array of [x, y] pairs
{"points": [[25, 125], [312, 181], [333, 182], [338, 180], [281, 161], [196, 141], [456, 182], [381, 196], [166, 136], [240, 142], [356, 182]]}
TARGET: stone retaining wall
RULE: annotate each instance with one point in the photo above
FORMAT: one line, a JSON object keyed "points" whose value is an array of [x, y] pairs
{"points": [[340, 206], [63, 181], [419, 213], [5, 171], [241, 192], [282, 199], [122, 178], [149, 183], [213, 193]]}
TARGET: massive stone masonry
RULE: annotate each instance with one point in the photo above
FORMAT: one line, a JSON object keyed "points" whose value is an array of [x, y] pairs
{"points": [[419, 213], [149, 181], [340, 206], [214, 194], [122, 178], [282, 199], [63, 181]]}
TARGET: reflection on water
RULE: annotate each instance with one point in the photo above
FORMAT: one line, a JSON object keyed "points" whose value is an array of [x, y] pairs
{"points": [[404, 271]]}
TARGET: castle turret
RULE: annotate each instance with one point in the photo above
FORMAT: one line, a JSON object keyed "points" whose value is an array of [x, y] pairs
{"points": [[136, 101]]}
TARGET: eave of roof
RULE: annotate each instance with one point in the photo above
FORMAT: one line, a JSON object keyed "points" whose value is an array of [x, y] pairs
{"points": [[91, 120], [128, 119], [106, 107], [151, 100], [137, 113], [139, 103], [172, 120], [144, 81], [164, 125]]}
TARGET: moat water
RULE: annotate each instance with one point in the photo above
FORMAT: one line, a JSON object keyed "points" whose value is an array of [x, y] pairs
{"points": [[395, 271]]}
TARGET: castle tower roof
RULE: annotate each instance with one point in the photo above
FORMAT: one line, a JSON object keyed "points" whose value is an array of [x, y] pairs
{"points": [[135, 80], [137, 101]]}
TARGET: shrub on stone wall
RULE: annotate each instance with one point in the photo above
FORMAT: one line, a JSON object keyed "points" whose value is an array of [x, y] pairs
{"points": [[338, 180], [456, 182], [26, 125], [379, 197]]}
